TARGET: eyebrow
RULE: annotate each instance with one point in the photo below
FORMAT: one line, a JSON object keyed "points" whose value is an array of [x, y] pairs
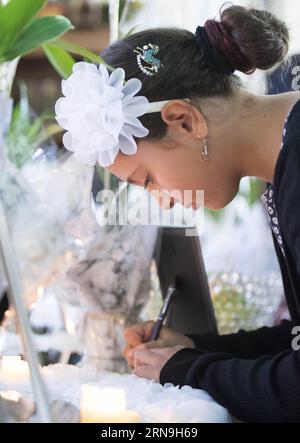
{"points": [[131, 180]]}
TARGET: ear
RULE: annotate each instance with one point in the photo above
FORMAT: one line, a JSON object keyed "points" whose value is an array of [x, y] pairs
{"points": [[184, 117]]}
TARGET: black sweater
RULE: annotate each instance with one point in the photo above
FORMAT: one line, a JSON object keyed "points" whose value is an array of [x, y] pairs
{"points": [[256, 375]]}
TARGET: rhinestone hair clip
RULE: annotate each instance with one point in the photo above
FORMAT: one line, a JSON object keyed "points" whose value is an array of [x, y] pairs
{"points": [[147, 61]]}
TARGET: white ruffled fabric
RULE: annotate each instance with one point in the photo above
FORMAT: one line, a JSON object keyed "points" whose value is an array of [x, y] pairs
{"points": [[100, 114], [6, 107]]}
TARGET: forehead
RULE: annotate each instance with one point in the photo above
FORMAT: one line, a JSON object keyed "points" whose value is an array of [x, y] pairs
{"points": [[128, 163], [125, 166], [145, 160]]}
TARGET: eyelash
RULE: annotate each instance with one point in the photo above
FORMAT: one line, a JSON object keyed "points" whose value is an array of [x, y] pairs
{"points": [[148, 180]]}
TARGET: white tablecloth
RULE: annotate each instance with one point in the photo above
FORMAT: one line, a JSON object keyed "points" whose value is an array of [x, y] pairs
{"points": [[155, 403]]}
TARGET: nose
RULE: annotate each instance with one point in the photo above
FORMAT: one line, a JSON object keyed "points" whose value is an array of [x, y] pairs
{"points": [[167, 205], [165, 201]]}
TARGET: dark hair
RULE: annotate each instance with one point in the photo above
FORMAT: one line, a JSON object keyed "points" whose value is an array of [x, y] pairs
{"points": [[247, 38]]}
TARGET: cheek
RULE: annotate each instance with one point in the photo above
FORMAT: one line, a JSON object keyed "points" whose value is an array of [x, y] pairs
{"points": [[182, 180], [182, 172], [115, 170]]}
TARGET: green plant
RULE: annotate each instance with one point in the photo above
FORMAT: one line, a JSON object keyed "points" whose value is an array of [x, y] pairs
{"points": [[59, 50], [27, 132], [21, 31], [58, 53]]}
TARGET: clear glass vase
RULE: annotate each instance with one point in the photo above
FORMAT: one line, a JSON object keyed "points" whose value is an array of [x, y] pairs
{"points": [[115, 283], [245, 301], [103, 342], [7, 75]]}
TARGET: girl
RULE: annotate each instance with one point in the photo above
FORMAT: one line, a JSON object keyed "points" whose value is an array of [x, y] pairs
{"points": [[255, 375], [209, 142]]}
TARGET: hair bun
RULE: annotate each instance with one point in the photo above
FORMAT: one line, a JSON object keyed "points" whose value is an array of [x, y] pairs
{"points": [[250, 39]]}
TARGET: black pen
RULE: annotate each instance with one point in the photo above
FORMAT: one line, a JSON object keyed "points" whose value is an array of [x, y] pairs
{"points": [[162, 315]]}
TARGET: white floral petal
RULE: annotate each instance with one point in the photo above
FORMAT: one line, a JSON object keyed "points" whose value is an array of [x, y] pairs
{"points": [[114, 119], [136, 107], [114, 127], [129, 98], [102, 142], [107, 158], [111, 96], [65, 87], [140, 132], [81, 148], [88, 160], [77, 126], [84, 66], [63, 122], [100, 113], [104, 72], [117, 78], [132, 87], [68, 142], [79, 79], [58, 105], [127, 145], [137, 129], [65, 108]]}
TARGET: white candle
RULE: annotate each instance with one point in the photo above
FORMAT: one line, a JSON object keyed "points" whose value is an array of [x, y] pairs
{"points": [[106, 405], [13, 367], [16, 405]]}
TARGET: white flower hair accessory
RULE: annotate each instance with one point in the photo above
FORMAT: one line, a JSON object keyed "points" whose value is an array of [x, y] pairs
{"points": [[100, 113]]}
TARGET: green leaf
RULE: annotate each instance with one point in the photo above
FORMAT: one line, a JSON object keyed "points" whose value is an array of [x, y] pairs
{"points": [[40, 31], [60, 59], [24, 102], [49, 131], [78, 50], [24, 131], [16, 16]]}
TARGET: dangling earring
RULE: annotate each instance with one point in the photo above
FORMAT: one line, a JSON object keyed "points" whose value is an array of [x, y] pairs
{"points": [[205, 151]]}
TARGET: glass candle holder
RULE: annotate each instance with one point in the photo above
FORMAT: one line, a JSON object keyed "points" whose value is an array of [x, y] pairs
{"points": [[104, 342]]}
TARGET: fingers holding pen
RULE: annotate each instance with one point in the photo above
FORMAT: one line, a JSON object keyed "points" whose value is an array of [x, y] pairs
{"points": [[149, 363], [145, 365], [139, 333], [129, 351]]}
